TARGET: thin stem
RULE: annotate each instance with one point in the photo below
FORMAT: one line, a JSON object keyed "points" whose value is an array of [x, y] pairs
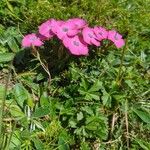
{"points": [[127, 123], [118, 79], [45, 67], [3, 104], [9, 139], [120, 67], [114, 119]]}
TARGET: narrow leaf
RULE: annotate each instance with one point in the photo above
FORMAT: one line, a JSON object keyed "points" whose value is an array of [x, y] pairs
{"points": [[144, 115]]}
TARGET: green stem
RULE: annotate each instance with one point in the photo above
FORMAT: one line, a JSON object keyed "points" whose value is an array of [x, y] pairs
{"points": [[37, 55], [3, 105], [127, 124], [118, 79], [44, 66]]}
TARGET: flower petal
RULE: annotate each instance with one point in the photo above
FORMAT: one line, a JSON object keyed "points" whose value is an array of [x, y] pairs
{"points": [[45, 29], [89, 36], [101, 33], [114, 35], [78, 22], [31, 39], [120, 43], [75, 45]]}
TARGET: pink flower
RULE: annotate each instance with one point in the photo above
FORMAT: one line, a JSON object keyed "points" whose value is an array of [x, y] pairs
{"points": [[89, 36], [101, 33], [65, 29], [76, 45], [31, 40], [116, 38], [45, 29], [78, 22]]}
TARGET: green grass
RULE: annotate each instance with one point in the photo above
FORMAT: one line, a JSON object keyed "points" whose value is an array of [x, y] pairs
{"points": [[95, 102]]}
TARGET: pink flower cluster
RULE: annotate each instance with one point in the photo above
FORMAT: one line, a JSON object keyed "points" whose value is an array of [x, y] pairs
{"points": [[74, 33]]}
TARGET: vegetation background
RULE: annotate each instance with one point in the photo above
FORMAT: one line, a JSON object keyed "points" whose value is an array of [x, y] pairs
{"points": [[97, 102]]}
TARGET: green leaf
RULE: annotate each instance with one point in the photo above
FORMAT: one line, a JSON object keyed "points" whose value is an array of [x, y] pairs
{"points": [[44, 99], [38, 144], [90, 96], [92, 123], [106, 99], [85, 146], [21, 94], [144, 115], [15, 141], [62, 145], [13, 45], [63, 141], [93, 126], [25, 134], [79, 116], [16, 111], [96, 87], [97, 125], [39, 125], [5, 57], [2, 90], [30, 101], [84, 84], [72, 123], [143, 144], [129, 83], [41, 111], [9, 6]]}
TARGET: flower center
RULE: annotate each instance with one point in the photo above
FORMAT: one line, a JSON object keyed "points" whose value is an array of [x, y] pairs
{"points": [[49, 27], [76, 43], [33, 38], [65, 29], [100, 33], [90, 35], [116, 38]]}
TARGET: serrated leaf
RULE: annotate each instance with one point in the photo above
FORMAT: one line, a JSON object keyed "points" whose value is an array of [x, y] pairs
{"points": [[96, 87], [84, 84], [72, 124], [105, 98], [95, 96], [79, 116], [90, 96]]}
